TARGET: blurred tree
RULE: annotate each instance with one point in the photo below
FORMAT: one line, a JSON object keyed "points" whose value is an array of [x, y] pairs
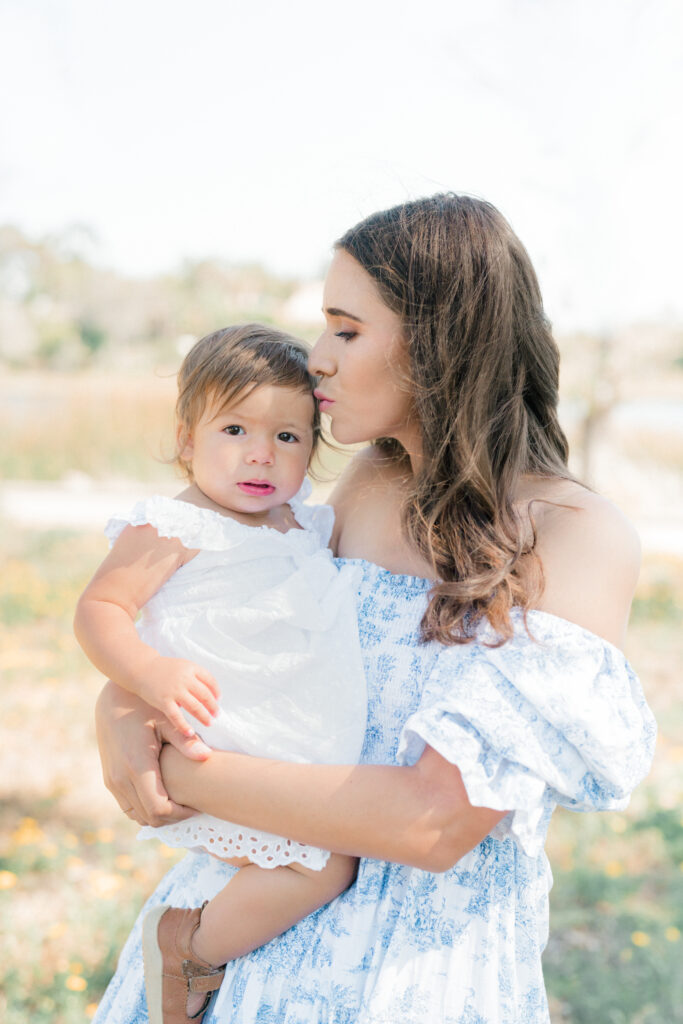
{"points": [[601, 371], [58, 309]]}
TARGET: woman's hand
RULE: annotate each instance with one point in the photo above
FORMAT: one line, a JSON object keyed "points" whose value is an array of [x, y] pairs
{"points": [[130, 738]]}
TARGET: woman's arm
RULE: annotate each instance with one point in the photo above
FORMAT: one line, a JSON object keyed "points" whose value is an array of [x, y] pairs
{"points": [[417, 815]]}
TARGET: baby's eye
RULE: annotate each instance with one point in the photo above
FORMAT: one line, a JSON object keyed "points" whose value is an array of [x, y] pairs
{"points": [[288, 438], [346, 335], [233, 429]]}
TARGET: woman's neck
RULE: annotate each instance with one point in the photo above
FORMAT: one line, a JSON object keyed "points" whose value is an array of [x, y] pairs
{"points": [[410, 440]]}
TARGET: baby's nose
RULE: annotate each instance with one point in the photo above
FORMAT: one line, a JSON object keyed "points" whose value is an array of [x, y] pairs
{"points": [[261, 454]]}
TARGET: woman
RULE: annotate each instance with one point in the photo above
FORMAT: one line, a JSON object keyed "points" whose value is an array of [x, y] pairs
{"points": [[495, 593]]}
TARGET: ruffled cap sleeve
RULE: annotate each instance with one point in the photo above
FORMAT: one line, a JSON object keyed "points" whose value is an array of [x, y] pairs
{"points": [[560, 718], [192, 526], [204, 529]]}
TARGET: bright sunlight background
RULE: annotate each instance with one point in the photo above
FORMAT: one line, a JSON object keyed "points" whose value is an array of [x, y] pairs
{"points": [[259, 132]]}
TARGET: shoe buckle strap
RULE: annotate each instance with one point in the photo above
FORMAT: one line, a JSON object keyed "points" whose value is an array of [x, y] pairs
{"points": [[202, 979]]}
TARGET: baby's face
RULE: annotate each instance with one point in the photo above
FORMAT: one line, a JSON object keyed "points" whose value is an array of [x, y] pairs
{"points": [[252, 455]]}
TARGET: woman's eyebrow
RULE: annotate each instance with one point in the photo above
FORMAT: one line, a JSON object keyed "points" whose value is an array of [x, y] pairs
{"points": [[333, 311]]}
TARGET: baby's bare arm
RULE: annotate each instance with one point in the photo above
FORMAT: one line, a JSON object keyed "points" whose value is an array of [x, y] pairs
{"points": [[136, 567]]}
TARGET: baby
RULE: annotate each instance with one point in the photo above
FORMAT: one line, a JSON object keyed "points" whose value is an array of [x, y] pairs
{"points": [[248, 634]]}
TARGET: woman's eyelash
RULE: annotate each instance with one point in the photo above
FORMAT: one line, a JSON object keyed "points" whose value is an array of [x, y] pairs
{"points": [[347, 335]]}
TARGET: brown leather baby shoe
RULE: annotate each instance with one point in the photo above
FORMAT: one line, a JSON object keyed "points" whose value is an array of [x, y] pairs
{"points": [[172, 970]]}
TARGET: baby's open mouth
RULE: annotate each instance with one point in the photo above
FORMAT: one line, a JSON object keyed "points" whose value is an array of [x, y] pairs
{"points": [[259, 487]]}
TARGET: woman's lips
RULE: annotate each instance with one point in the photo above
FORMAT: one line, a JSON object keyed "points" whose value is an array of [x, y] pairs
{"points": [[256, 487], [323, 401]]}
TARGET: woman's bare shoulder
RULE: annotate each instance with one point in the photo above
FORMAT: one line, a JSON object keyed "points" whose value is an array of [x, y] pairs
{"points": [[590, 554]]}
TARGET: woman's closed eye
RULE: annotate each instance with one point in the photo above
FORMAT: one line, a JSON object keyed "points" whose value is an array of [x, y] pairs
{"points": [[346, 335]]}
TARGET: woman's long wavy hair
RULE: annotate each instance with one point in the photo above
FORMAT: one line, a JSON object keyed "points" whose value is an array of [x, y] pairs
{"points": [[484, 375]]}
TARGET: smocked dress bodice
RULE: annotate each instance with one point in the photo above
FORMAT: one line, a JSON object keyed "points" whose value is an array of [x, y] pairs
{"points": [[555, 717]]}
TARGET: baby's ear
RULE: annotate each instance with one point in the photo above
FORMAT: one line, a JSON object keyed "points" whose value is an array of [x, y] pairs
{"points": [[184, 443]]}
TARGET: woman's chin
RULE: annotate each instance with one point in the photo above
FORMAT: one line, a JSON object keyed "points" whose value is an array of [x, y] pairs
{"points": [[344, 433]]}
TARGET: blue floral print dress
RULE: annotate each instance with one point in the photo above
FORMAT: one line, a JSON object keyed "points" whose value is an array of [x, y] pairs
{"points": [[557, 717]]}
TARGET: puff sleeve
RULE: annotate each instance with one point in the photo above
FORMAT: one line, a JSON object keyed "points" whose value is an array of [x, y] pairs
{"points": [[555, 717]]}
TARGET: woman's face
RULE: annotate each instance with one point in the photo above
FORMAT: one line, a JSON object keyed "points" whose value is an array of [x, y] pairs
{"points": [[362, 360]]}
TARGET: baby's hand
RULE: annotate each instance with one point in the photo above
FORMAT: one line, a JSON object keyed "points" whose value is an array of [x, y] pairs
{"points": [[170, 684]]}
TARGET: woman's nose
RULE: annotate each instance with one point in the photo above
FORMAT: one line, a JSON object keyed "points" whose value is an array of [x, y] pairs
{"points": [[320, 361]]}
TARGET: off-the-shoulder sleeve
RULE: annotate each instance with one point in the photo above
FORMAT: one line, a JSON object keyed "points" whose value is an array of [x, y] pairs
{"points": [[557, 718], [194, 527]]}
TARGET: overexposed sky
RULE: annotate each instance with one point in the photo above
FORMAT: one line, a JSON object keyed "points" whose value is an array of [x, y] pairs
{"points": [[261, 131]]}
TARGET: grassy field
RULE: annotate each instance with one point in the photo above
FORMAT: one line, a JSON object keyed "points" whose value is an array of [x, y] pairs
{"points": [[72, 876]]}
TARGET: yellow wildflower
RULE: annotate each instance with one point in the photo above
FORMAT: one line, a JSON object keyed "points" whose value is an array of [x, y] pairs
{"points": [[28, 833], [641, 939], [7, 879], [613, 869], [672, 934], [75, 983]]}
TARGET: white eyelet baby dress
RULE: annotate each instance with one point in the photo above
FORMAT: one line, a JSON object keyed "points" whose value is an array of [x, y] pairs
{"points": [[274, 620]]}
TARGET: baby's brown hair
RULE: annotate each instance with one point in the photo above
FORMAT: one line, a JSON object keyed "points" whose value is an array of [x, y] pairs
{"points": [[232, 359]]}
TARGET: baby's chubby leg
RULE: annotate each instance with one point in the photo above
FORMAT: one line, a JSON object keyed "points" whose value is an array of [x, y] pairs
{"points": [[259, 903], [184, 950]]}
